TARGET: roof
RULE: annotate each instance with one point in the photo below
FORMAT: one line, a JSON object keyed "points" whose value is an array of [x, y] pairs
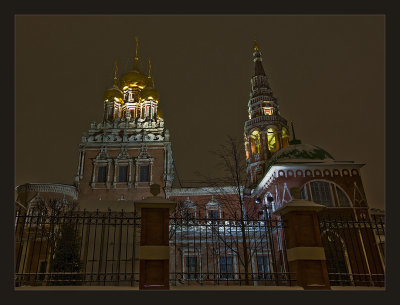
{"points": [[301, 153]]}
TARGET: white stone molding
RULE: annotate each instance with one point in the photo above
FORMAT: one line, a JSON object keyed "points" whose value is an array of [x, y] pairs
{"points": [[65, 189], [101, 158], [123, 158], [144, 158]]}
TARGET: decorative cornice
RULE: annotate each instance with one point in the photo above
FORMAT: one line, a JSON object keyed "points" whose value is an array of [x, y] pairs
{"points": [[263, 120], [64, 189], [193, 191]]}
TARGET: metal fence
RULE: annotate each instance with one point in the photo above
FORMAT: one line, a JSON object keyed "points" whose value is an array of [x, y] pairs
{"points": [[100, 248], [223, 251], [76, 248], [354, 250]]}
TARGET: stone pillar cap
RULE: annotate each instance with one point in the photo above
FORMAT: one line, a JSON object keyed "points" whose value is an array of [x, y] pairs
{"points": [[155, 202], [299, 205]]}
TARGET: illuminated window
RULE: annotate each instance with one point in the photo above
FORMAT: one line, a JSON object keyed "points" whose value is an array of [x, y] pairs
{"points": [[267, 110], [255, 142], [247, 151], [272, 145], [101, 174]]}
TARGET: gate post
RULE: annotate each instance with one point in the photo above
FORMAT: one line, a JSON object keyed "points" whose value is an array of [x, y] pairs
{"points": [[305, 253], [154, 240]]}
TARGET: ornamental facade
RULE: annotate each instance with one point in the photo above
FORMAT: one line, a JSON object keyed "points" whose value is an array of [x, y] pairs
{"points": [[120, 157]]}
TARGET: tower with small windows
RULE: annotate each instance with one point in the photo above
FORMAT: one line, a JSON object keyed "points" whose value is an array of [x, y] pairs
{"points": [[120, 157], [266, 131]]}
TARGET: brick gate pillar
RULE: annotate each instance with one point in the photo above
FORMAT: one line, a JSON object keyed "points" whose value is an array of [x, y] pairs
{"points": [[154, 241], [305, 253]]}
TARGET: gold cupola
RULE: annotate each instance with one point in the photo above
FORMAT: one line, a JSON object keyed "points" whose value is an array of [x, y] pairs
{"points": [[114, 94], [150, 93], [133, 78]]}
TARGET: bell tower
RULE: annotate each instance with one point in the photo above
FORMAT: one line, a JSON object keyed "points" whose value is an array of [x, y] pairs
{"points": [[266, 131]]}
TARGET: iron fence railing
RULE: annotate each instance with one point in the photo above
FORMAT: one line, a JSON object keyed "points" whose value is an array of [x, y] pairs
{"points": [[76, 248], [354, 250], [223, 251]]}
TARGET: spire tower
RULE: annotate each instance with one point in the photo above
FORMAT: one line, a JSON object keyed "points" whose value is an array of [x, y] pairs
{"points": [[265, 131]]}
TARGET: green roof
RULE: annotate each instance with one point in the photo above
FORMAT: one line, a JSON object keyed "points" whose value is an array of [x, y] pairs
{"points": [[299, 153]]}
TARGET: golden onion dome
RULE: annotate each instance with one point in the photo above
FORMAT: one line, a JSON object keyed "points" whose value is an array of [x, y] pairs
{"points": [[113, 94], [150, 93], [133, 79]]}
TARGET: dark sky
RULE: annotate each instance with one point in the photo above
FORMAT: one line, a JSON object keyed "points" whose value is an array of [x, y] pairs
{"points": [[326, 71]]}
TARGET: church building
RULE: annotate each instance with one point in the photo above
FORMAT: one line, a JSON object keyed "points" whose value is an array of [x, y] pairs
{"points": [[121, 156]]}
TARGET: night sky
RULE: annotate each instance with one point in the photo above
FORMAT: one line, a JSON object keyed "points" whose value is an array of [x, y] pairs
{"points": [[327, 73]]}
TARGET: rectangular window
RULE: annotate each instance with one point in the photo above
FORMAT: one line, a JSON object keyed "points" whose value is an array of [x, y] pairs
{"points": [[263, 267], [213, 214], [144, 173], [101, 174], [123, 173], [191, 267], [226, 267]]}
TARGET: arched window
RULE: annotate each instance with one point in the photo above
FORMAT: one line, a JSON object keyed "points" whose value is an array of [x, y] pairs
{"points": [[255, 139], [272, 140], [321, 193], [343, 199], [189, 209], [213, 209]]}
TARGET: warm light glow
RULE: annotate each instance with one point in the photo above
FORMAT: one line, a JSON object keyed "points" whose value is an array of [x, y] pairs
{"points": [[267, 110], [255, 142], [271, 139], [285, 137]]}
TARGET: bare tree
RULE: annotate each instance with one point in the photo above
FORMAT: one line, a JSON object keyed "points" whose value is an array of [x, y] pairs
{"points": [[229, 192], [44, 218]]}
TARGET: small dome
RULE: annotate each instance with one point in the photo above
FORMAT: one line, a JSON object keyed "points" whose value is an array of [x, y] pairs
{"points": [[113, 94], [299, 153], [133, 79], [150, 93]]}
